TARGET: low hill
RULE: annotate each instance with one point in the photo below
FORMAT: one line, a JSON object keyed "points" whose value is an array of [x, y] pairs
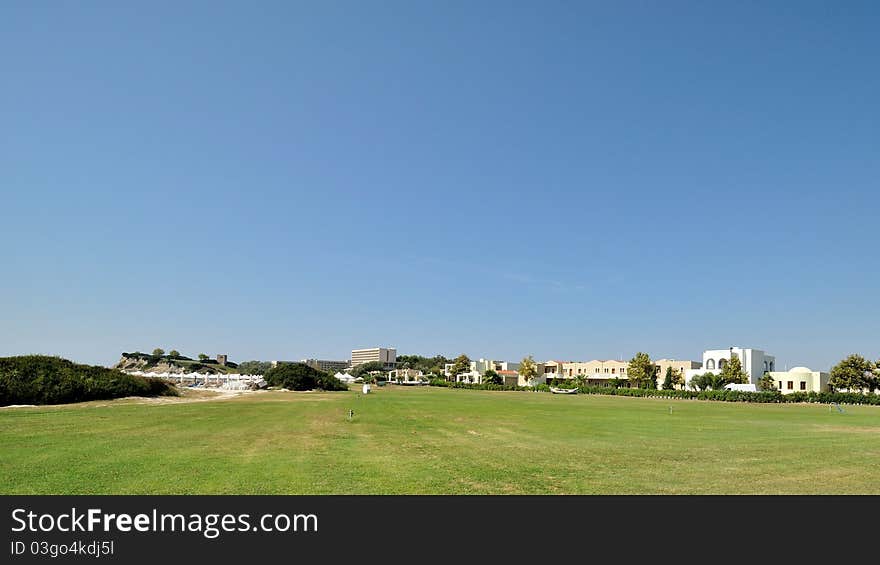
{"points": [[40, 379], [148, 363]]}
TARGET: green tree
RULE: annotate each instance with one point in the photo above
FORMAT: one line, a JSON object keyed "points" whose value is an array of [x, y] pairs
{"points": [[642, 372], [203, 357], [528, 370], [428, 365], [158, 352], [174, 353], [672, 379], [854, 374], [252, 367], [707, 381], [767, 383], [461, 364], [696, 382], [732, 372], [491, 377], [299, 376], [365, 369]]}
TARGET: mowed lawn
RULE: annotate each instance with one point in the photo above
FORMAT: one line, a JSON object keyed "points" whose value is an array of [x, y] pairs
{"points": [[438, 441]]}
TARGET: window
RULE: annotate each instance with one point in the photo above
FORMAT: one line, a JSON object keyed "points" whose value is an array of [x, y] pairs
{"points": [[613, 370], [710, 363], [722, 363], [780, 385], [790, 385], [606, 369], [803, 385], [597, 369], [623, 369]]}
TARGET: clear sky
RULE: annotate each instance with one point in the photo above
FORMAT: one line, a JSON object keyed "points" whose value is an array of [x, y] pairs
{"points": [[571, 180]]}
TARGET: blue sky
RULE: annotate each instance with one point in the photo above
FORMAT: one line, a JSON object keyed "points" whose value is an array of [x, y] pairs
{"points": [[571, 180]]}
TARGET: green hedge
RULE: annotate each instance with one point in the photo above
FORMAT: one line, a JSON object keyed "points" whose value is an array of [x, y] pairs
{"points": [[717, 395], [486, 386], [39, 379], [740, 396]]}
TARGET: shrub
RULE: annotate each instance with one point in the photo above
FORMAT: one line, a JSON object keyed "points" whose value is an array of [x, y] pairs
{"points": [[39, 379], [326, 381]]}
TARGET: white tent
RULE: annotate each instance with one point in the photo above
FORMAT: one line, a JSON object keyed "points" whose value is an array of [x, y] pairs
{"points": [[344, 377]]}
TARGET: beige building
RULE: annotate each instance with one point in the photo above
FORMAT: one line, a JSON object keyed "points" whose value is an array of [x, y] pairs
{"points": [[800, 379], [599, 372], [596, 372], [552, 369], [386, 356], [677, 365]]}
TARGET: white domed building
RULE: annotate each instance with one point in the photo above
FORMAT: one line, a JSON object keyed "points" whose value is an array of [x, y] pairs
{"points": [[800, 379]]}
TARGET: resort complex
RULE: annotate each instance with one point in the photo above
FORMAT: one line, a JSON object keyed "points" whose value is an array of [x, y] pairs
{"points": [[757, 370]]}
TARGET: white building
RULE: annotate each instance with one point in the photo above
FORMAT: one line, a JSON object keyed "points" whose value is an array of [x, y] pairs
{"points": [[755, 362], [386, 356], [479, 368], [406, 376], [800, 379]]}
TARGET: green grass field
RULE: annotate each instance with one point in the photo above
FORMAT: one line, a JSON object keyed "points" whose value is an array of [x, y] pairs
{"points": [[437, 441]]}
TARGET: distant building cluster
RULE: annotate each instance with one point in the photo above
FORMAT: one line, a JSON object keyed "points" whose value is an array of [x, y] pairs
{"points": [[597, 372], [386, 356], [755, 363]]}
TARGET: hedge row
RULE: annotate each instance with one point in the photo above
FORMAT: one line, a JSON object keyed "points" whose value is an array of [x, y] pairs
{"points": [[38, 379], [740, 396], [488, 386], [718, 395]]}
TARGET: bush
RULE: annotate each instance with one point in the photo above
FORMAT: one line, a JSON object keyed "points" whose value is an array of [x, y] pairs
{"points": [[39, 379], [299, 376], [326, 381], [254, 367]]}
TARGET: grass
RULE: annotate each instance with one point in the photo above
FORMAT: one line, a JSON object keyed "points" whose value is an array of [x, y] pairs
{"points": [[437, 441]]}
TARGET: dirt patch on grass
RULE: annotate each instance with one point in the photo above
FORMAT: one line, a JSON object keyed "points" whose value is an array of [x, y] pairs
{"points": [[186, 396], [851, 429]]}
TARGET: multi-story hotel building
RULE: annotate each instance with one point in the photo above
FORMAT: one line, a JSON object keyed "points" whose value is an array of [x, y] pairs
{"points": [[326, 365], [386, 356]]}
